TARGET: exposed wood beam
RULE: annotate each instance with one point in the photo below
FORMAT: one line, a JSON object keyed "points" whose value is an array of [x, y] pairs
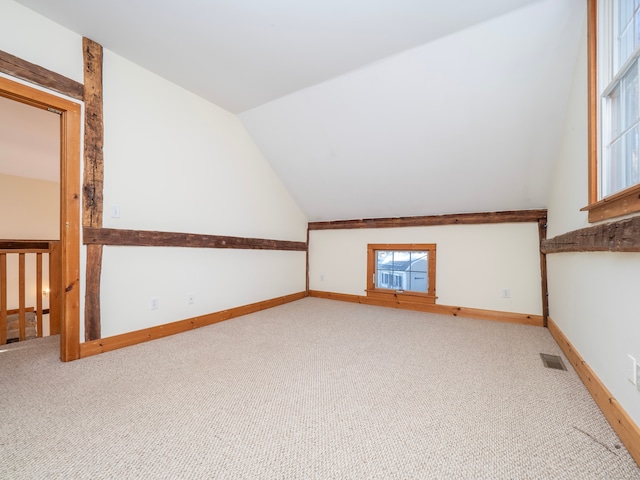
{"points": [[92, 321], [514, 216], [146, 238], [16, 67], [93, 135], [620, 236], [542, 235], [93, 180]]}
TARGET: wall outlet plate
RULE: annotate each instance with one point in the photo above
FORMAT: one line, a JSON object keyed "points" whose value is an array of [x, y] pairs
{"points": [[191, 298], [154, 303]]}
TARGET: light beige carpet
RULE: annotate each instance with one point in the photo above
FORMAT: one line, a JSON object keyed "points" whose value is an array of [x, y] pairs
{"points": [[314, 389]]}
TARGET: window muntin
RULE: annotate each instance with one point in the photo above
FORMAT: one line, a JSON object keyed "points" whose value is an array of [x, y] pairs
{"points": [[402, 270]]}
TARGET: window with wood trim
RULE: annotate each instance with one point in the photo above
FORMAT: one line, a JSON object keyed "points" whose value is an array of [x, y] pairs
{"points": [[403, 271], [614, 108]]}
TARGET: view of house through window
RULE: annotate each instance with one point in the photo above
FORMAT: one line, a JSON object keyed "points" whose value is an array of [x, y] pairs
{"points": [[402, 270]]}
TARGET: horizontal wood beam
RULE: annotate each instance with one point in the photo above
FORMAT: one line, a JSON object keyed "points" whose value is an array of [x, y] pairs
{"points": [[620, 236], [146, 238], [16, 67], [24, 244], [513, 216]]}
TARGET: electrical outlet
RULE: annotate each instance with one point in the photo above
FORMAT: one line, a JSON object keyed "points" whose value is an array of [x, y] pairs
{"points": [[632, 370], [191, 298], [322, 278], [506, 293], [154, 303], [115, 211]]}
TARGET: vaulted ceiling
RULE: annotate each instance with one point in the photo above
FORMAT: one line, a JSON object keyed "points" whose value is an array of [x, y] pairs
{"points": [[368, 108]]}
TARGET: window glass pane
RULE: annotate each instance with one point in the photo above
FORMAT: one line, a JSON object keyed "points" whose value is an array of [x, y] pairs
{"points": [[625, 29], [630, 173], [616, 113], [419, 261], [630, 97], [612, 178], [402, 270], [637, 26]]}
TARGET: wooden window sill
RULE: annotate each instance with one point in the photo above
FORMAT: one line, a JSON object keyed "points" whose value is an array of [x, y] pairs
{"points": [[409, 297], [616, 205]]}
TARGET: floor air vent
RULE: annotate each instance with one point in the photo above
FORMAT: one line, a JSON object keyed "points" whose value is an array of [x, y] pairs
{"points": [[552, 361]]}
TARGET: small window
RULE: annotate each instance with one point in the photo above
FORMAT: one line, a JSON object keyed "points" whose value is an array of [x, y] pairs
{"points": [[402, 269]]}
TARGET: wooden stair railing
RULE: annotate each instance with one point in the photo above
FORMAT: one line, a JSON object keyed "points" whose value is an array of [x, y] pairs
{"points": [[22, 248]]}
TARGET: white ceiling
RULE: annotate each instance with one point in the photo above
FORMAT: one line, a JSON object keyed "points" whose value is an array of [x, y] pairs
{"points": [[240, 54], [369, 108], [29, 141]]}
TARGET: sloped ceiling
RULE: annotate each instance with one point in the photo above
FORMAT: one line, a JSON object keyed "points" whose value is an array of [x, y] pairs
{"points": [[368, 108], [467, 123]]}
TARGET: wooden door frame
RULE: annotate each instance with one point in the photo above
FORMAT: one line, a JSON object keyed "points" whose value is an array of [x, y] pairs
{"points": [[70, 121]]}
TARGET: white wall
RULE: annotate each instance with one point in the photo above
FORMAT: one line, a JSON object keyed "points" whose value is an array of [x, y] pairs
{"points": [[592, 296], [173, 162], [29, 210], [34, 38], [474, 263]]}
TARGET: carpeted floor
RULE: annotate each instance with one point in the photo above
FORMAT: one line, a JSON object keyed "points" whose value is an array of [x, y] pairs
{"points": [[314, 389]]}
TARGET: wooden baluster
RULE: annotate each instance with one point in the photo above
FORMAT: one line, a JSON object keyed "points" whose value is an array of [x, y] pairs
{"points": [[3, 298], [39, 293], [22, 287]]}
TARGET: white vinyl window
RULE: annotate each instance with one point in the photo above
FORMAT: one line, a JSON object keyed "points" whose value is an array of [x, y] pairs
{"points": [[618, 88]]}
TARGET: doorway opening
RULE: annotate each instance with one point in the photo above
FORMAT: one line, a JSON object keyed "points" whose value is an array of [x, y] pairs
{"points": [[65, 280]]}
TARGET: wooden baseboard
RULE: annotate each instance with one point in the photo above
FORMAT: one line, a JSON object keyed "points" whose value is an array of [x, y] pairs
{"points": [[521, 318], [102, 345], [623, 425]]}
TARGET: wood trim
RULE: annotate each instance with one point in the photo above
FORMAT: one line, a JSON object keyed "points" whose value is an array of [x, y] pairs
{"points": [[622, 203], [18, 68], [493, 315], [147, 238], [542, 235], [372, 290], [621, 422], [93, 135], [3, 298], [69, 207], [127, 339], [513, 216], [592, 89], [34, 245], [620, 236], [92, 325]]}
